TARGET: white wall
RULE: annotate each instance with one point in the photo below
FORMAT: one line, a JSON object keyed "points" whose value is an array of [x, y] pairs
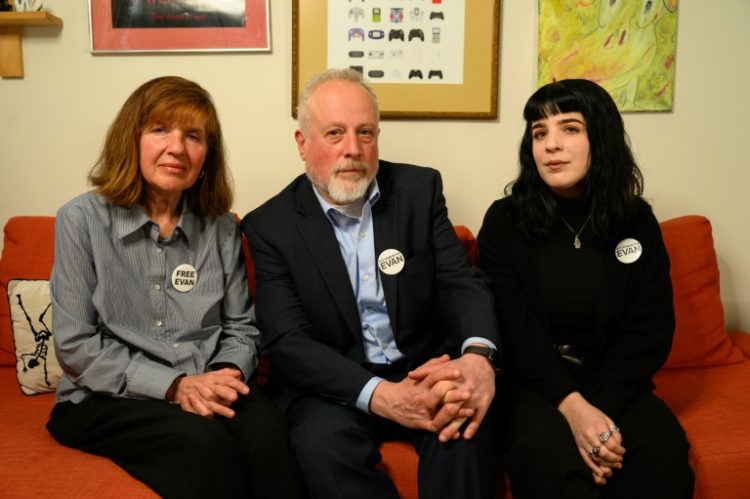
{"points": [[695, 160]]}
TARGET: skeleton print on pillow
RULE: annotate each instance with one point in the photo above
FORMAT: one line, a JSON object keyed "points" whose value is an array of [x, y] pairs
{"points": [[37, 368]]}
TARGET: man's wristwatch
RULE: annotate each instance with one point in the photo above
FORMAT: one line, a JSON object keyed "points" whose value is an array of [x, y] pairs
{"points": [[484, 351]]}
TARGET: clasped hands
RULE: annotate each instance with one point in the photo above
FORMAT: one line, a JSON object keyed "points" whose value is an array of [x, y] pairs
{"points": [[439, 396], [210, 393], [592, 429]]}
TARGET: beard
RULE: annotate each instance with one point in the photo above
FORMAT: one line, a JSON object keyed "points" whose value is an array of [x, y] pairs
{"points": [[342, 190]]}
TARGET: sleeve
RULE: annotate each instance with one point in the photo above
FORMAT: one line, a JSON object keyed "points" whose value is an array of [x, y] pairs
{"points": [[464, 297], [530, 358], [88, 355], [643, 330], [239, 336], [289, 339]]}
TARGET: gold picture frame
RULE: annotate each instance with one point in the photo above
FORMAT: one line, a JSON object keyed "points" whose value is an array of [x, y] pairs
{"points": [[475, 97]]}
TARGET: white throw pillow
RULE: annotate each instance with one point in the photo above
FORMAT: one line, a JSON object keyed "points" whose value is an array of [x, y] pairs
{"points": [[37, 368]]}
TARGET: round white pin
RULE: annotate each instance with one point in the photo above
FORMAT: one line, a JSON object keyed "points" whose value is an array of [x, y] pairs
{"points": [[628, 250], [184, 278], [391, 261]]}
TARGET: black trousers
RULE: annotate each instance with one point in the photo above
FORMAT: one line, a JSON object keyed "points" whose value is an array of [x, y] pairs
{"points": [[183, 455], [337, 448], [542, 460]]}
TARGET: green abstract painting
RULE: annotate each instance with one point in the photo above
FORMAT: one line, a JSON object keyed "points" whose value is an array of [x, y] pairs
{"points": [[626, 46]]}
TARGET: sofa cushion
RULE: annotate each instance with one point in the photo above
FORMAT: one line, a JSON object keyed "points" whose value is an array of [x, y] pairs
{"points": [[700, 339], [34, 465], [712, 404], [400, 461], [28, 251], [249, 266], [741, 340], [468, 241], [30, 306]]}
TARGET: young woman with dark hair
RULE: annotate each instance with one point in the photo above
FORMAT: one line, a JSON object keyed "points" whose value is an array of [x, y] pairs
{"points": [[581, 280]]}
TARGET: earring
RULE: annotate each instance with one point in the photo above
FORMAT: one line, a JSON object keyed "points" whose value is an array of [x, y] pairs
{"points": [[202, 173]]}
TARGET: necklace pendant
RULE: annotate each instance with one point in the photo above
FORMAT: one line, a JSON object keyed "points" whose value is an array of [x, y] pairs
{"points": [[576, 235]]}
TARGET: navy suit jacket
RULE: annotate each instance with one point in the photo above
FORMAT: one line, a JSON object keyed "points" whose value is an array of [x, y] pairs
{"points": [[305, 305]]}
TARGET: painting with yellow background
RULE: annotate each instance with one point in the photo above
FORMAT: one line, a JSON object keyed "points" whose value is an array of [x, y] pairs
{"points": [[626, 46]]}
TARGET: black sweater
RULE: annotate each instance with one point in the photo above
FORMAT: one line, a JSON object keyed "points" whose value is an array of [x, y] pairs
{"points": [[633, 311]]}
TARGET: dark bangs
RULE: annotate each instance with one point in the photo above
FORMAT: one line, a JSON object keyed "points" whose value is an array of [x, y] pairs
{"points": [[550, 100]]}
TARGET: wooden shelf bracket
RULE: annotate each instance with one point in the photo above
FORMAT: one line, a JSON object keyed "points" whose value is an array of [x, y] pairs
{"points": [[11, 30]]}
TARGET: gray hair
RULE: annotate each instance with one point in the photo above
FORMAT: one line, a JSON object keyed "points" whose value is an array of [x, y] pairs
{"points": [[333, 74]]}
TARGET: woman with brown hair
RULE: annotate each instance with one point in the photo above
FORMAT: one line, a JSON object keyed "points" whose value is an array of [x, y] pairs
{"points": [[153, 323]]}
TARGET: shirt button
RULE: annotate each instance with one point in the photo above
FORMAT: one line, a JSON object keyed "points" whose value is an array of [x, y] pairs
{"points": [[366, 277], [157, 287], [159, 250], [176, 345], [159, 322], [362, 235]]}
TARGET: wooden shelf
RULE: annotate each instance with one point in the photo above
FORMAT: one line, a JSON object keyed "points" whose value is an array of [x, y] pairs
{"points": [[11, 28]]}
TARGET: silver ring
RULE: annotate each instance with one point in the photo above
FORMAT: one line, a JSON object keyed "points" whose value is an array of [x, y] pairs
{"points": [[614, 429], [603, 437], [595, 450]]}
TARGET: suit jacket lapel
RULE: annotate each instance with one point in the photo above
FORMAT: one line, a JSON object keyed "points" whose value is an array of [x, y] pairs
{"points": [[385, 222], [317, 233]]}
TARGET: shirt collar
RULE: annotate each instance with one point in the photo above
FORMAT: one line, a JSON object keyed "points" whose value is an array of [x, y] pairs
{"points": [[133, 219]]}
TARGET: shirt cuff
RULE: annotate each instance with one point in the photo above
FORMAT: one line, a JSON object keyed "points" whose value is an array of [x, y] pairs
{"points": [[363, 401], [237, 356], [151, 381], [477, 340]]}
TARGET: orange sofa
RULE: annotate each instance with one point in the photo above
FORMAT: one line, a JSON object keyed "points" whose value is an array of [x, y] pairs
{"points": [[706, 381]]}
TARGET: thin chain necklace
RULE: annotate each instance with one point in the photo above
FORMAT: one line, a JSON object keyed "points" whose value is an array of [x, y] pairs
{"points": [[576, 235]]}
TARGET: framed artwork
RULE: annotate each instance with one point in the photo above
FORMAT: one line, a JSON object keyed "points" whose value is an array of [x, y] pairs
{"points": [[179, 25], [626, 46], [429, 59]]}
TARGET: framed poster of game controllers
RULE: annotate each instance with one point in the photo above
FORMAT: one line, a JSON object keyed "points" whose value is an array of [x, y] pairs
{"points": [[179, 25], [426, 59]]}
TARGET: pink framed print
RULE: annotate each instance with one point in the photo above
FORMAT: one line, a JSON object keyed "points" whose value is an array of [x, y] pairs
{"points": [[179, 25]]}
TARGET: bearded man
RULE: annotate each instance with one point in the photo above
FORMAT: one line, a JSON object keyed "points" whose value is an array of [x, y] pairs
{"points": [[376, 325]]}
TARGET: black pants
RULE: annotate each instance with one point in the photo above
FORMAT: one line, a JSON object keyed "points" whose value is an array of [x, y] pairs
{"points": [[338, 450], [183, 455], [542, 459]]}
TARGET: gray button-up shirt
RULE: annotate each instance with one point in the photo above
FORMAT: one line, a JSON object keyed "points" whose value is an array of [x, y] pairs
{"points": [[121, 325]]}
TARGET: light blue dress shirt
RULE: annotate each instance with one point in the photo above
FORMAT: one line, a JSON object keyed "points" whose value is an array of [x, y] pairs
{"points": [[356, 239]]}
